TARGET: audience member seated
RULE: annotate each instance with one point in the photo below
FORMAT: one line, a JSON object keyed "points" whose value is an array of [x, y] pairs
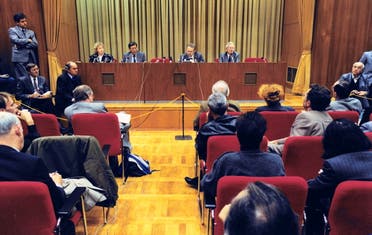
{"points": [[18, 166], [99, 55], [221, 124], [66, 83], [230, 56], [366, 59], [134, 55], [313, 121], [34, 91], [249, 161], [358, 84], [272, 94], [83, 103], [191, 55], [222, 87], [7, 104], [259, 209], [346, 157], [7, 83], [342, 100]]}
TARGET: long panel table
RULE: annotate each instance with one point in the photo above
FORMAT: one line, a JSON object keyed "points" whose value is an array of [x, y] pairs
{"points": [[161, 81]]}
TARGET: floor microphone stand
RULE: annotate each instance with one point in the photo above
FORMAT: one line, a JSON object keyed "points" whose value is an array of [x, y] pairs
{"points": [[183, 136]]}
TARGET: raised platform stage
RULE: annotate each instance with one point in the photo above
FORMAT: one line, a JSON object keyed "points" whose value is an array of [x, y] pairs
{"points": [[168, 115]]}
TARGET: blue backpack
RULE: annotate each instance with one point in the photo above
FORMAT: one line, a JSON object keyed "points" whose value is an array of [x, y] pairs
{"points": [[136, 166]]}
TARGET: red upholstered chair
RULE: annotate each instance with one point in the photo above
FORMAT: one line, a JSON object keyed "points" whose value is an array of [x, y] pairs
{"points": [[46, 124], [278, 123], [351, 208], [255, 60], [369, 135], [26, 208], [295, 189], [351, 115], [302, 156], [104, 126]]}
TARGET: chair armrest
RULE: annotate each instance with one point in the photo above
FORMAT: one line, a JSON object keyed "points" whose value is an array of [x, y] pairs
{"points": [[71, 201]]}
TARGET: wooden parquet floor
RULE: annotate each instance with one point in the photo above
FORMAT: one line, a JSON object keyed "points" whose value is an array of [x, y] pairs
{"points": [[156, 204]]}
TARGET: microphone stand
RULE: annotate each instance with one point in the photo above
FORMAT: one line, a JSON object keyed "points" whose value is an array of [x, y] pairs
{"points": [[183, 136]]}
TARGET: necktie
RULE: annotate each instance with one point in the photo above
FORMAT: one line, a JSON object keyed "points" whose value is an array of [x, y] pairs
{"points": [[230, 59], [24, 32], [134, 58], [35, 84]]}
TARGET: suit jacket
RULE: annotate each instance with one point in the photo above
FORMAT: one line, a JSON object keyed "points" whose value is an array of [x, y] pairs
{"points": [[363, 85], [349, 166], [18, 166], [65, 86], [106, 58], [84, 107], [25, 87], [197, 58], [128, 57], [224, 57], [346, 104], [307, 123], [366, 59], [21, 47]]}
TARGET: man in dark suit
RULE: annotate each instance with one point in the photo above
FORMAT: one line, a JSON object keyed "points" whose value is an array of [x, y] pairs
{"points": [[191, 55], [358, 84], [24, 45], [366, 59], [134, 55], [230, 56], [347, 157], [66, 83], [18, 166], [33, 90]]}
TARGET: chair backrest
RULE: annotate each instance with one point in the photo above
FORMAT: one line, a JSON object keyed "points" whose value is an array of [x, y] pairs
{"points": [[295, 189], [351, 208], [219, 144], [203, 117], [255, 60], [350, 115], [46, 124], [302, 156], [26, 208], [104, 126], [278, 123]]}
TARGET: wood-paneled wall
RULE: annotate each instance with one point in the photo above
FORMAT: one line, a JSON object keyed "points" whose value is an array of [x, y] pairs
{"points": [[342, 31]]}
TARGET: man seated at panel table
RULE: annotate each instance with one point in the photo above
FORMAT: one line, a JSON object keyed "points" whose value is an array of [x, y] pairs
{"points": [[191, 55], [221, 124], [134, 55], [222, 87], [312, 121], [34, 91], [249, 161], [83, 103], [230, 56]]}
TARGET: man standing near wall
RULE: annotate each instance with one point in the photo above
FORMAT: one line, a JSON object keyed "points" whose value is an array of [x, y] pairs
{"points": [[24, 45]]}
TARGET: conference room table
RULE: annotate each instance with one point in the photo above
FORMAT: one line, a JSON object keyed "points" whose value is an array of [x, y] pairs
{"points": [[166, 81]]}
